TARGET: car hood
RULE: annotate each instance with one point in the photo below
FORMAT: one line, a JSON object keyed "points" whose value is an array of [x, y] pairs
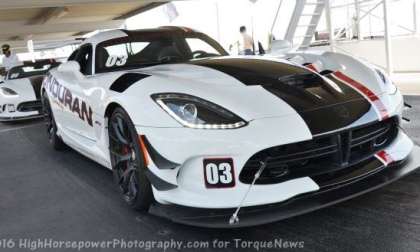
{"points": [[260, 88], [23, 87]]}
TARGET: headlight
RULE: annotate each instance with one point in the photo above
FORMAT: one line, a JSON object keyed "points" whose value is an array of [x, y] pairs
{"points": [[7, 91], [194, 112], [390, 87]]}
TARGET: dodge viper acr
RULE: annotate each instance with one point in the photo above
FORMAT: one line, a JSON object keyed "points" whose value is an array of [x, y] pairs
{"points": [[20, 92], [201, 138]]}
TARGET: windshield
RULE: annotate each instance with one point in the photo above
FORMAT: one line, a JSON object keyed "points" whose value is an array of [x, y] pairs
{"points": [[22, 72], [154, 48]]}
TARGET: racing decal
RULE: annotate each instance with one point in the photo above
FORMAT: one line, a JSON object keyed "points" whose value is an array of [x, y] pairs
{"points": [[313, 97], [374, 99], [311, 67], [378, 105], [366, 92], [116, 61], [316, 69], [219, 173], [384, 157], [65, 99], [126, 80], [144, 151], [14, 76]]}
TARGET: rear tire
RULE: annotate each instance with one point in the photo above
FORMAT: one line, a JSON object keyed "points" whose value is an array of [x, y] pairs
{"points": [[127, 161], [54, 140]]}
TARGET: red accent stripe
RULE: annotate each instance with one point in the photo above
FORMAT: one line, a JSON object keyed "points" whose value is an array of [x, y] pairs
{"points": [[312, 67], [384, 157], [366, 91], [144, 150]]}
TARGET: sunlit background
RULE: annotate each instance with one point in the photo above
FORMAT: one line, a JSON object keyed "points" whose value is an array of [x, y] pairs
{"points": [[221, 19]]}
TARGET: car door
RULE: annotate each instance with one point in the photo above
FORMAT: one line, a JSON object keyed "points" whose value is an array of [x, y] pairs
{"points": [[80, 118], [56, 83]]}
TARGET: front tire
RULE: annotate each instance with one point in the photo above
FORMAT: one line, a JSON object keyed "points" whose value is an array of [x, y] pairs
{"points": [[127, 161], [54, 140]]}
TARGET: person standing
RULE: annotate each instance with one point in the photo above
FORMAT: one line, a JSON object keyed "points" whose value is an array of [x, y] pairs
{"points": [[245, 43], [9, 60]]}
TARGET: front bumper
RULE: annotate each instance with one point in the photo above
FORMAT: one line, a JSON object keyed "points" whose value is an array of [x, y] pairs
{"points": [[22, 110], [186, 184], [249, 216]]}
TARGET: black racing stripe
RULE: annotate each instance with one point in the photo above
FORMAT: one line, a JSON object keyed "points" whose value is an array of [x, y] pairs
{"points": [[126, 80], [324, 105], [336, 117], [36, 82]]}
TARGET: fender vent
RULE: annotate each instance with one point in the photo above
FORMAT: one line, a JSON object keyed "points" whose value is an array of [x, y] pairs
{"points": [[127, 80]]}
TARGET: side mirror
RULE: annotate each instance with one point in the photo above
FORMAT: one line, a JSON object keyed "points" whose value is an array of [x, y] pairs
{"points": [[280, 46], [69, 66]]}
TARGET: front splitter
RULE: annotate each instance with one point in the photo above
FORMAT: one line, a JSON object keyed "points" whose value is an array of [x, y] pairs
{"points": [[251, 216]]}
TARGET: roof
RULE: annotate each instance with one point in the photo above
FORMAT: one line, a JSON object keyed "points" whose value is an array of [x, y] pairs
{"points": [[107, 35]]}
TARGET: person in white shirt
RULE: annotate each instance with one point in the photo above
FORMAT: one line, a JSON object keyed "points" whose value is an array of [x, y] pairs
{"points": [[245, 44], [9, 60]]}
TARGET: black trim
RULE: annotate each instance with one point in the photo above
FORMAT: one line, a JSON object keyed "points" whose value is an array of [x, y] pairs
{"points": [[161, 162], [158, 183], [326, 72], [127, 80], [251, 216], [323, 105], [30, 106], [36, 82], [327, 156]]}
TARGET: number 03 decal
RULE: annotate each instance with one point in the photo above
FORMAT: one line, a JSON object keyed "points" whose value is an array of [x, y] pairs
{"points": [[219, 173], [116, 61]]}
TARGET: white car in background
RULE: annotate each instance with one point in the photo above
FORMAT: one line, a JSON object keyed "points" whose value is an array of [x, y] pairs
{"points": [[20, 91], [194, 135]]}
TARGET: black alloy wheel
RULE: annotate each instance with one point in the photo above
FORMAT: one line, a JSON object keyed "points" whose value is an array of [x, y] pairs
{"points": [[51, 126], [127, 160]]}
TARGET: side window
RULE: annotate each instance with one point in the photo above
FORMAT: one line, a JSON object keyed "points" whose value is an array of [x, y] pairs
{"points": [[84, 57], [197, 44], [116, 55]]}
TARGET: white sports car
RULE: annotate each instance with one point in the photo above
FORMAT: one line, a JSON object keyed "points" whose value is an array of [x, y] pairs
{"points": [[205, 139], [20, 92]]}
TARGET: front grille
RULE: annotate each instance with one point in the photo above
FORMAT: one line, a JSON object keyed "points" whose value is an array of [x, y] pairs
{"points": [[321, 155], [30, 106]]}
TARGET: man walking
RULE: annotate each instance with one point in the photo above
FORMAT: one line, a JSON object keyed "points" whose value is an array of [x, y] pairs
{"points": [[9, 60], [245, 43]]}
